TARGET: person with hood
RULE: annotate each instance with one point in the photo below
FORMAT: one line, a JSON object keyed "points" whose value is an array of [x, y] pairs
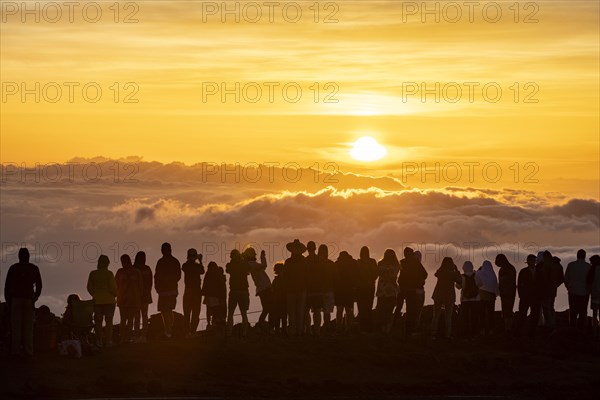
{"points": [[411, 283], [294, 271], [326, 268], [578, 286], [239, 294], [387, 289], [444, 296], [531, 292], [345, 290], [553, 277], [167, 275], [314, 290], [102, 286], [487, 282], [214, 283], [262, 282], [367, 275], [469, 301], [129, 295], [22, 288], [192, 295], [595, 291], [507, 286], [140, 264]]}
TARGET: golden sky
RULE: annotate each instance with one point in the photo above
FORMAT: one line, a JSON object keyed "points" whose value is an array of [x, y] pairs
{"points": [[370, 57]]}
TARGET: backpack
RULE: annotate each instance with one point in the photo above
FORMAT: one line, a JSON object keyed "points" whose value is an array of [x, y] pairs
{"points": [[470, 291]]}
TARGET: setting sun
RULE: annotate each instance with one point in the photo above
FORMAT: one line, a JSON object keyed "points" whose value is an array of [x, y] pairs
{"points": [[367, 149]]}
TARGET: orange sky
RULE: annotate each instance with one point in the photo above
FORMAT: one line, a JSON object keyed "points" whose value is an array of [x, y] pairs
{"points": [[370, 57]]}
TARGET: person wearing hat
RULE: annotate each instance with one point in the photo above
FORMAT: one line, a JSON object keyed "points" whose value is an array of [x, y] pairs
{"points": [[295, 277], [262, 282], [192, 295], [239, 295], [167, 275], [530, 290]]}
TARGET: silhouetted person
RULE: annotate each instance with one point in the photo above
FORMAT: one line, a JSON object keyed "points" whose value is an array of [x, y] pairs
{"points": [[326, 269], [239, 295], [192, 295], [262, 282], [214, 291], [387, 289], [411, 283], [531, 292], [22, 288], [469, 301], [553, 277], [507, 286], [367, 275], [345, 290], [444, 295], [102, 287], [487, 282], [279, 317], [130, 285], [295, 277], [140, 264], [595, 291], [314, 290], [578, 286], [166, 279]]}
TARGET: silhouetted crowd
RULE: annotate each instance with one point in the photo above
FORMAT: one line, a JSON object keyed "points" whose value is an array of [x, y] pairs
{"points": [[314, 295]]}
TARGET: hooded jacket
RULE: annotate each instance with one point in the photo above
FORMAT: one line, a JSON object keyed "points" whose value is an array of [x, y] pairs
{"points": [[486, 278], [102, 286], [130, 286]]}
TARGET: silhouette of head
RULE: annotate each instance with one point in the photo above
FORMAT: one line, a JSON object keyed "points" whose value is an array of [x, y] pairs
{"points": [[390, 258], [23, 255], [344, 256], [501, 260], [595, 260], [277, 268], [296, 247], [468, 267], [212, 265], [547, 256], [365, 253], [103, 261], [73, 298], [531, 260], [249, 253], [487, 265], [311, 247], [165, 249], [140, 258], [447, 263], [581, 254], [192, 254], [323, 253], [408, 252], [235, 255], [126, 261]]}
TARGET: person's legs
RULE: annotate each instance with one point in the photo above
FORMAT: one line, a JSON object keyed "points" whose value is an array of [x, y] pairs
{"points": [[524, 307], [292, 299], [508, 304], [549, 313], [168, 319], [300, 312], [572, 311], [582, 306], [109, 315], [437, 308], [448, 312], [98, 317], [187, 311], [417, 300], [144, 313], [16, 326], [196, 307], [264, 306], [232, 304], [400, 299]]}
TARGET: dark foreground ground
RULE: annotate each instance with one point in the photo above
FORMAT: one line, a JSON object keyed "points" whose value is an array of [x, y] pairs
{"points": [[566, 366]]}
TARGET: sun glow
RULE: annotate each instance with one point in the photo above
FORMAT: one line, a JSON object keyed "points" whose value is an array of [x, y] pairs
{"points": [[367, 149]]}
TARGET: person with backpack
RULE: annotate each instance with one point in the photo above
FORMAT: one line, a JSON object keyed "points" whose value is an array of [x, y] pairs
{"points": [[140, 264], [102, 286], [507, 286], [444, 296], [487, 282], [192, 295], [129, 296], [167, 275], [469, 302]]}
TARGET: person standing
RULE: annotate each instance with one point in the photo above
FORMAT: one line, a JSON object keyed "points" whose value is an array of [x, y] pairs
{"points": [[140, 264], [22, 288], [411, 283], [314, 291], [595, 291], [387, 289], [507, 286], [444, 296], [102, 286], [367, 275], [129, 296], [211, 291], [295, 277], [552, 276], [192, 295], [166, 279], [326, 268], [469, 301], [578, 287], [487, 282], [531, 292], [239, 295], [262, 282], [345, 291]]}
